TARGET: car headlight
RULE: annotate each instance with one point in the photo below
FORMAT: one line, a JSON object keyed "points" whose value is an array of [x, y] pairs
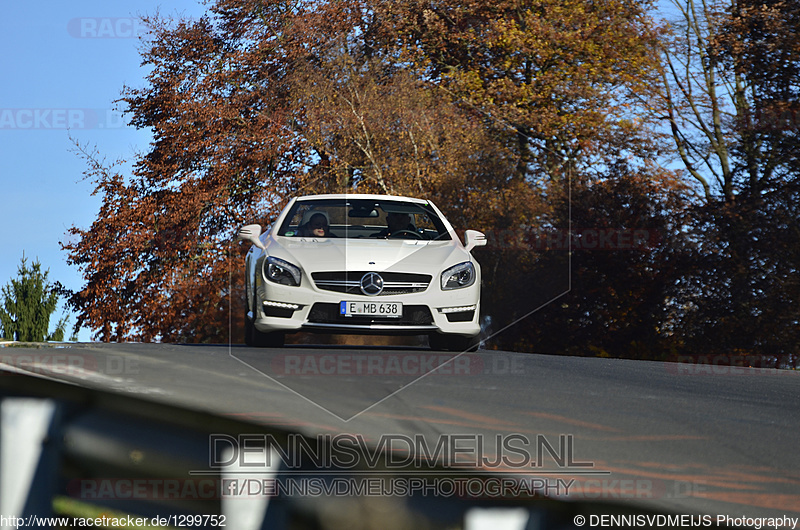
{"points": [[458, 276], [280, 271]]}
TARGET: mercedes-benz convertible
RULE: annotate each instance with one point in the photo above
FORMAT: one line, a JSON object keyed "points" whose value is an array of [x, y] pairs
{"points": [[373, 264]]}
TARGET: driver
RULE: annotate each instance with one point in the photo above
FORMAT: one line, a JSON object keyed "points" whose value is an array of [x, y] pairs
{"points": [[397, 222]]}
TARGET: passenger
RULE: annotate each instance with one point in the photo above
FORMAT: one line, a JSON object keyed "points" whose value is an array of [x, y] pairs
{"points": [[316, 226]]}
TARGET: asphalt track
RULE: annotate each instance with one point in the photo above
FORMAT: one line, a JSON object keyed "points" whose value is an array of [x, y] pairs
{"points": [[693, 439]]}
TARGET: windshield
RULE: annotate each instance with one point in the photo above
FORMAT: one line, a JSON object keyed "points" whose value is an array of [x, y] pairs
{"points": [[363, 219]]}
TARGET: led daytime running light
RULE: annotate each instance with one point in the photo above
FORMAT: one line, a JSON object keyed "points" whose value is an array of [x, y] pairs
{"points": [[282, 305], [459, 309]]}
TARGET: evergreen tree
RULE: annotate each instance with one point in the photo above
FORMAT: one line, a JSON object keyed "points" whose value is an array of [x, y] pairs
{"points": [[27, 303]]}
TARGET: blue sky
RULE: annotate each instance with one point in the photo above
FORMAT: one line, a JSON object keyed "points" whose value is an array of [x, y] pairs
{"points": [[63, 67]]}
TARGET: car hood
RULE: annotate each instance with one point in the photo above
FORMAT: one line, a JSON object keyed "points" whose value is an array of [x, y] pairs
{"points": [[315, 255]]}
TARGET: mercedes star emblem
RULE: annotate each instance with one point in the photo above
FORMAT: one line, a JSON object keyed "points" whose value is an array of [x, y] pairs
{"points": [[371, 284]]}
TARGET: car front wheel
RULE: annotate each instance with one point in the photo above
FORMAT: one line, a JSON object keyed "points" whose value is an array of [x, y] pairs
{"points": [[258, 339]]}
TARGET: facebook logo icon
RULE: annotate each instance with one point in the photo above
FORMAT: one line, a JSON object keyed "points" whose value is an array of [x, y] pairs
{"points": [[230, 487]]}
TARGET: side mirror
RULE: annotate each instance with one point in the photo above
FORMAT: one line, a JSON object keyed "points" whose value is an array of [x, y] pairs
{"points": [[250, 233], [473, 238]]}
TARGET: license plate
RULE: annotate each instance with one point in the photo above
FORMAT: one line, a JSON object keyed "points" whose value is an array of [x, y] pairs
{"points": [[371, 309]]}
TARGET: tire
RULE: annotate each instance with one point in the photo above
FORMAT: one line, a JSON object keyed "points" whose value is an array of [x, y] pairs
{"points": [[248, 331], [258, 339], [459, 343], [276, 339]]}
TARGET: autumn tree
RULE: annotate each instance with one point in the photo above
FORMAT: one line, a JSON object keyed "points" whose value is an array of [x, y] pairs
{"points": [[627, 255], [248, 108], [558, 85], [490, 109], [702, 103], [759, 41], [730, 78], [28, 302], [729, 94], [554, 79]]}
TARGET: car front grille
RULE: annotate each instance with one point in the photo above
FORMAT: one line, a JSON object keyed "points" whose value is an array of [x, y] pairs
{"points": [[327, 313], [394, 283]]}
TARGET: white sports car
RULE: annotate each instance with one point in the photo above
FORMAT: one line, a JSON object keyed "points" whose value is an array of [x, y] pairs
{"points": [[362, 264]]}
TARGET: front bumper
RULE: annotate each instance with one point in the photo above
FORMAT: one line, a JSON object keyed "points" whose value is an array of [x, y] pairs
{"points": [[307, 308]]}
